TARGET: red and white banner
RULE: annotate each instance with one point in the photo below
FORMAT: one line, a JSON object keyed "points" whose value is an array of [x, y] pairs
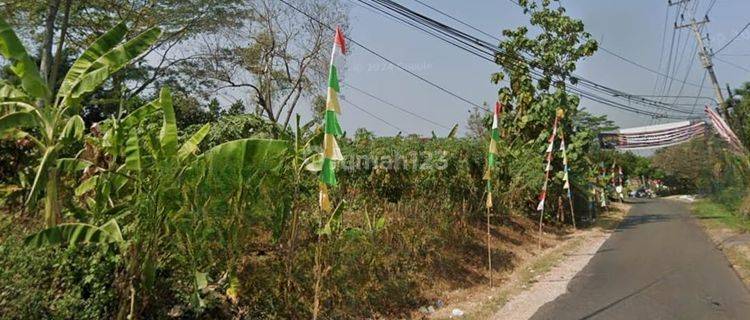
{"points": [[724, 131]]}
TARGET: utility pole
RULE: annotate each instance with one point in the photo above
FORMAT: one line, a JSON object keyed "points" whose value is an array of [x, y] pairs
{"points": [[705, 54]]}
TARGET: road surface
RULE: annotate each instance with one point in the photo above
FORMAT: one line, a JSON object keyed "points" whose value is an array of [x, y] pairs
{"points": [[659, 264]]}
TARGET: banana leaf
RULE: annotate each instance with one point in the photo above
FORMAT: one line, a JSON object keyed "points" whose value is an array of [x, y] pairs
{"points": [[191, 145], [76, 233], [22, 65], [109, 63], [168, 135], [17, 120], [101, 45]]}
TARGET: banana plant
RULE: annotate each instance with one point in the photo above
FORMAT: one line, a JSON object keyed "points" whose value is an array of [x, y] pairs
{"points": [[30, 109], [167, 195], [131, 186]]}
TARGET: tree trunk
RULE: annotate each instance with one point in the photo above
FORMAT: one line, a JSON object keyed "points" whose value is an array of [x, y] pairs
{"points": [[49, 34], [51, 203], [60, 43]]}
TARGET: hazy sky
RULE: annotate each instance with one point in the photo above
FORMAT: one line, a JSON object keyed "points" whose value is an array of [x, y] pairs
{"points": [[631, 28]]}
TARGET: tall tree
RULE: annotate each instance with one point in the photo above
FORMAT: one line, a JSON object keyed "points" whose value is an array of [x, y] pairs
{"points": [[79, 23], [279, 58], [49, 33]]}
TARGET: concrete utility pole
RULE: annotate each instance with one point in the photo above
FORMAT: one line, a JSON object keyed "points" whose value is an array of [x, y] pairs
{"points": [[705, 54]]}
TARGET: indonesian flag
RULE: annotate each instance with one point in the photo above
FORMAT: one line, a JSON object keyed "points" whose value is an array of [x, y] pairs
{"points": [[332, 128], [492, 153]]}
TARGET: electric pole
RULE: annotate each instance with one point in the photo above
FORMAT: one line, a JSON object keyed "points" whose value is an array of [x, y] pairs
{"points": [[705, 54]]}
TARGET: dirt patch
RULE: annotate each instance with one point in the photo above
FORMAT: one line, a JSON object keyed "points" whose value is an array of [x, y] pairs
{"points": [[539, 276]]}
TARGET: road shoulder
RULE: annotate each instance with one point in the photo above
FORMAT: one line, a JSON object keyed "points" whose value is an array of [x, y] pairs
{"points": [[730, 234], [538, 280]]}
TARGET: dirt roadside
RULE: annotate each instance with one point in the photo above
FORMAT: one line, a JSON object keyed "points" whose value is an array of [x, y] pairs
{"points": [[536, 280]]}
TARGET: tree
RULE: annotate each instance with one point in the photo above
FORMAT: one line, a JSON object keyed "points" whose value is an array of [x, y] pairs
{"points": [[53, 115], [550, 57], [71, 26], [477, 122], [536, 66], [280, 58], [740, 120], [688, 166]]}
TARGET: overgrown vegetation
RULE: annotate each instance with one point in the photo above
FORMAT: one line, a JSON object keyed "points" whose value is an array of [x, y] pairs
{"points": [[162, 203]]}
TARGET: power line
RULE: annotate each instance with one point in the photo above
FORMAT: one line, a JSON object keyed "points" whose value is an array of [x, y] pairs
{"points": [[375, 97], [309, 16], [395, 106], [458, 20], [600, 46], [679, 54], [733, 64], [734, 38], [701, 89], [645, 67], [372, 115], [671, 53], [450, 39], [439, 27], [736, 54], [689, 70], [710, 7], [661, 52]]}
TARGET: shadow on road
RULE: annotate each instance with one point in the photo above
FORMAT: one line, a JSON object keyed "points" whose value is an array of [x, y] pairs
{"points": [[633, 221], [618, 301]]}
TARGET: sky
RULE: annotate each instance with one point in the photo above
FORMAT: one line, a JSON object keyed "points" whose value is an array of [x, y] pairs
{"points": [[634, 29]]}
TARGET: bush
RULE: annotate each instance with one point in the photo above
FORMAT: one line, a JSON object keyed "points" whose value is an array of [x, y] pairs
{"points": [[54, 283]]}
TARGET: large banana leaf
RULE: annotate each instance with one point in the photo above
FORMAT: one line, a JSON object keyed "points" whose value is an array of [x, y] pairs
{"points": [[17, 120], [135, 117], [90, 81], [76, 233], [230, 166], [132, 152], [86, 186], [73, 129], [72, 165], [191, 145], [10, 92], [168, 135], [101, 45], [109, 63], [22, 64]]}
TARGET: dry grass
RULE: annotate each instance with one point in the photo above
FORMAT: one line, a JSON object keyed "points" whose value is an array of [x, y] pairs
{"points": [[481, 302]]}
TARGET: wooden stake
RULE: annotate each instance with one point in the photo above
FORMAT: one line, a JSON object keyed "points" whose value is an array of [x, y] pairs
{"points": [[572, 213], [541, 218], [318, 269], [489, 248]]}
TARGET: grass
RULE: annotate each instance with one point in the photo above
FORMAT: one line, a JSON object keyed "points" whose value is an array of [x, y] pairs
{"points": [[715, 215]]}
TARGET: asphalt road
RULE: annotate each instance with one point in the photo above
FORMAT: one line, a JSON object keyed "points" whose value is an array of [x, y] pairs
{"points": [[659, 264]]}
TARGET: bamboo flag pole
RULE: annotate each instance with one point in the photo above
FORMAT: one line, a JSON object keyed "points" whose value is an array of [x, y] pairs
{"points": [[331, 154], [495, 136], [566, 178], [547, 170]]}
